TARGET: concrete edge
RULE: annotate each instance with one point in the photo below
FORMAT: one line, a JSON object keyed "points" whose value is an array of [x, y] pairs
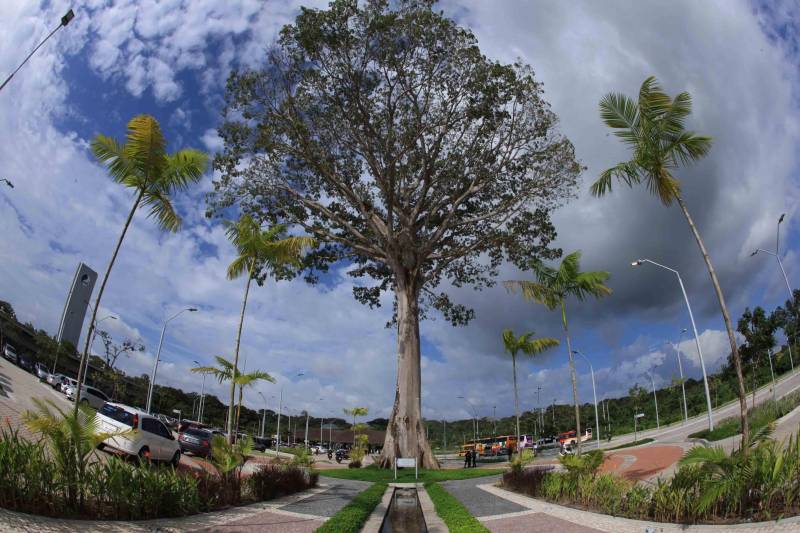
{"points": [[432, 520], [375, 520], [623, 525]]}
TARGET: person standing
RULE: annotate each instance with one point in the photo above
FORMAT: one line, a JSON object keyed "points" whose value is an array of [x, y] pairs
{"points": [[474, 458], [467, 458]]}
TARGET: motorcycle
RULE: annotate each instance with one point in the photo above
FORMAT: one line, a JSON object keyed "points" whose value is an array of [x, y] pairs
{"points": [[330, 454], [342, 454]]}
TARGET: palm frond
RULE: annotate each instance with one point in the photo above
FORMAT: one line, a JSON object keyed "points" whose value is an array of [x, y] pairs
{"points": [[627, 172], [161, 209], [620, 112], [534, 291], [146, 147], [538, 346], [183, 169], [239, 266], [108, 150]]}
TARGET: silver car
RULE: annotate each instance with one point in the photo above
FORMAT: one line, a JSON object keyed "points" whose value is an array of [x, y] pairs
{"points": [[89, 396]]}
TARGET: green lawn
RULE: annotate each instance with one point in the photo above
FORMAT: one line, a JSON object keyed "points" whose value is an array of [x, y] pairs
{"points": [[406, 475], [630, 444], [455, 516], [352, 517]]}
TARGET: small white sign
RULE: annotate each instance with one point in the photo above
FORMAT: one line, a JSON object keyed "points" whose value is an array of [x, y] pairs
{"points": [[405, 462]]}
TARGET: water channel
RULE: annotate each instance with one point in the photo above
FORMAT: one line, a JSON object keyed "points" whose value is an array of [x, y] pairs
{"points": [[404, 514]]}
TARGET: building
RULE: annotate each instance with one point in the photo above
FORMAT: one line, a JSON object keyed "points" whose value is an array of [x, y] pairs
{"points": [[340, 437]]}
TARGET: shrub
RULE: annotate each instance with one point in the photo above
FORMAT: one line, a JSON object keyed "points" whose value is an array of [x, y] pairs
{"points": [[272, 481], [521, 459], [528, 481], [303, 458]]}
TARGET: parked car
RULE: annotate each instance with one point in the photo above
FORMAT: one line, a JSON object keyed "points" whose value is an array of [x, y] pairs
{"points": [[10, 353], [41, 371], [25, 363], [195, 441], [67, 382], [89, 396], [55, 380], [153, 441], [259, 444]]}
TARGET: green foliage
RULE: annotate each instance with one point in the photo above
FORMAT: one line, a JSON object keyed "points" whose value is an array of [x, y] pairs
{"points": [[374, 474], [352, 517], [359, 451], [229, 459], [582, 465], [302, 457], [272, 481], [522, 459], [450, 510], [759, 417]]}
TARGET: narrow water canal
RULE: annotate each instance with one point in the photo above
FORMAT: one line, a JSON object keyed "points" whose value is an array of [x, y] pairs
{"points": [[404, 514]]}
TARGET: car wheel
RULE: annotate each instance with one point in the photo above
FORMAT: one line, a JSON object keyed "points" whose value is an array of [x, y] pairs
{"points": [[176, 459], [144, 455]]}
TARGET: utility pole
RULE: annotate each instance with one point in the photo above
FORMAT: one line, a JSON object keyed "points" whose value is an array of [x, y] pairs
{"points": [[494, 418]]}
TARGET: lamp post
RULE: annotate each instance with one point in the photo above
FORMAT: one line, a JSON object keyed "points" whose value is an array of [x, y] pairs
{"points": [[594, 393], [91, 344], [655, 398], [278, 429], [777, 256], [474, 420], [68, 16], [202, 396], [321, 420], [444, 430], [10, 185], [264, 415], [539, 407], [494, 420], [680, 369], [772, 373], [696, 336], [158, 354], [636, 418]]}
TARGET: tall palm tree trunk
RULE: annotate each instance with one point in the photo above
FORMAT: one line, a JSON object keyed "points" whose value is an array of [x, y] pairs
{"points": [[572, 377], [85, 355], [239, 407], [737, 361], [516, 395], [231, 433]]}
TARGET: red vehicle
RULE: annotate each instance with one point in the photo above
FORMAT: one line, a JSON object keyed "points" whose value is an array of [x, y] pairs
{"points": [[569, 437]]}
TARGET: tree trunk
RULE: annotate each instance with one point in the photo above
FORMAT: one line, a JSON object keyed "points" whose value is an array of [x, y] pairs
{"points": [[737, 360], [405, 436], [516, 395], [85, 355], [231, 431], [573, 377], [239, 406]]}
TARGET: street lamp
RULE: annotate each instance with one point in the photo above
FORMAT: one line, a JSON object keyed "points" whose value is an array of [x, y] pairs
{"points": [[475, 419], [278, 429], [264, 416], [655, 398], [680, 369], [64, 21], [158, 355], [10, 185], [202, 396], [777, 256], [696, 336], [594, 393]]}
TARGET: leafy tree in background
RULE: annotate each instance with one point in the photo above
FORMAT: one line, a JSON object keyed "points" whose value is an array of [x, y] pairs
{"points": [[551, 289], [531, 347], [382, 130], [654, 128], [787, 317], [258, 250], [8, 310], [112, 352], [143, 165], [758, 331], [356, 412]]}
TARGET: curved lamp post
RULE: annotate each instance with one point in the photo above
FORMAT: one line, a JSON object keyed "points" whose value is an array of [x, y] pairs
{"points": [[202, 396], [639, 262], [158, 355], [776, 255], [680, 369], [594, 393]]}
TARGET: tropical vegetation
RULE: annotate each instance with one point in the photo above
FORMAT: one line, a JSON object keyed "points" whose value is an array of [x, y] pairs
{"points": [[654, 127], [530, 347], [551, 288], [143, 165], [260, 252], [337, 152]]}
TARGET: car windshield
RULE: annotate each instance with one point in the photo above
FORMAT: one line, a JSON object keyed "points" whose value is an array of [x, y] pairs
{"points": [[195, 432], [117, 413]]}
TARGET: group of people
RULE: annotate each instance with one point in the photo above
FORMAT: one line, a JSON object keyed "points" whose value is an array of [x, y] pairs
{"points": [[470, 459]]}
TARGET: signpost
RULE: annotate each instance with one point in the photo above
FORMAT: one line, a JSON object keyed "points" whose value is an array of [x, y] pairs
{"points": [[406, 462], [636, 417]]}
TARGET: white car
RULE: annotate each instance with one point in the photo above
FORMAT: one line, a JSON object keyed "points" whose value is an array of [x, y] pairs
{"points": [[67, 382], [10, 353], [145, 436], [89, 395], [55, 380]]}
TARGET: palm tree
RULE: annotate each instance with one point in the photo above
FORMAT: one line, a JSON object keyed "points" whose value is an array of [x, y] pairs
{"points": [[143, 165], [257, 248], [654, 128], [227, 372], [551, 289], [354, 412], [528, 346]]}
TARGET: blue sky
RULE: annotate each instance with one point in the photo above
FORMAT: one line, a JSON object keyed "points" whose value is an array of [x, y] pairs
{"points": [[170, 58]]}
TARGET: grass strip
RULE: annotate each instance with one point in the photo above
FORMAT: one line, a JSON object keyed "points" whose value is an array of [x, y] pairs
{"points": [[375, 474], [352, 517], [449, 509], [758, 417], [630, 444]]}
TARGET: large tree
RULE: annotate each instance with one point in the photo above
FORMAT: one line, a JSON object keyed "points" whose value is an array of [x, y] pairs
{"points": [[654, 127], [385, 133], [758, 330]]}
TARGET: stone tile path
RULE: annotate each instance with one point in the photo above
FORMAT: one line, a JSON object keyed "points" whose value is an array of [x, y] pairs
{"points": [[478, 502]]}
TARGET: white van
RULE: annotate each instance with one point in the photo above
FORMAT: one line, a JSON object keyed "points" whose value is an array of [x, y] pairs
{"points": [[146, 437], [89, 395], [10, 353]]}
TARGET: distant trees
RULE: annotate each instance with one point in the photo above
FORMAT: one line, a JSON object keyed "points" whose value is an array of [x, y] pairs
{"points": [[758, 330], [143, 165]]}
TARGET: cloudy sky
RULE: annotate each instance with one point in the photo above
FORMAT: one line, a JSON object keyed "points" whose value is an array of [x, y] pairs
{"points": [[170, 58]]}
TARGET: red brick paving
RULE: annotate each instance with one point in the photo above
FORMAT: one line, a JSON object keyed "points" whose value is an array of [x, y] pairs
{"points": [[650, 461]]}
